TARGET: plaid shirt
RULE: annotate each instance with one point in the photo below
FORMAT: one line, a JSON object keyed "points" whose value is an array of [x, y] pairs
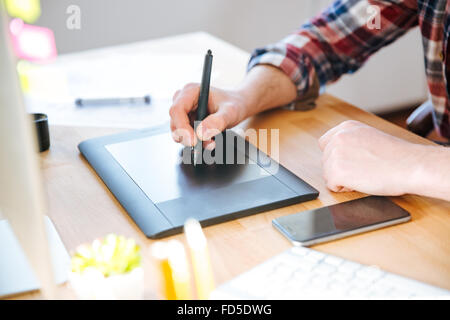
{"points": [[344, 36]]}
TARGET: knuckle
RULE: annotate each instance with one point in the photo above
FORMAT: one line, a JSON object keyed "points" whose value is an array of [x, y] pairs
{"points": [[321, 140], [220, 122], [175, 95], [339, 138], [336, 154], [334, 177], [182, 135], [190, 85], [331, 184], [173, 110], [214, 122], [335, 170], [338, 163], [175, 136], [350, 123]]}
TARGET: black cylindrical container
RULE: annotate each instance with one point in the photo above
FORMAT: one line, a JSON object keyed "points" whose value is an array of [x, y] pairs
{"points": [[41, 123]]}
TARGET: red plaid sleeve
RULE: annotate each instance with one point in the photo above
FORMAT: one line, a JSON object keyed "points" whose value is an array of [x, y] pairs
{"points": [[339, 40]]}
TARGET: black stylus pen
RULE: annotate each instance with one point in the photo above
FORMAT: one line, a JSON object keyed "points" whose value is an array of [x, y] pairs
{"points": [[202, 108]]}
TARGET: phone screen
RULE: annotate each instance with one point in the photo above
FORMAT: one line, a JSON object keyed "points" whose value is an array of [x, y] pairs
{"points": [[340, 218]]}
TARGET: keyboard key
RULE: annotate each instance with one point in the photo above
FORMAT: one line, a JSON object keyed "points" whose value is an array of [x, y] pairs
{"points": [[282, 271], [369, 273], [315, 256], [334, 261], [290, 260], [380, 289], [302, 273], [255, 289], [349, 267], [361, 283], [324, 269], [300, 251], [301, 277], [338, 286], [357, 293], [279, 275], [306, 265], [342, 277], [398, 294], [287, 293], [255, 276], [319, 282]]}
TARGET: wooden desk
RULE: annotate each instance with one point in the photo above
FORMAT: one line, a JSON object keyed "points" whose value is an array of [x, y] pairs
{"points": [[82, 208]]}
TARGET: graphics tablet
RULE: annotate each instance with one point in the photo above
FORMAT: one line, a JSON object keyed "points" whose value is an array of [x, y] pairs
{"points": [[143, 170]]}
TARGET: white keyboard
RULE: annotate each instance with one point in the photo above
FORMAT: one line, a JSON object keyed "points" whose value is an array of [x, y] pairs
{"points": [[303, 273]]}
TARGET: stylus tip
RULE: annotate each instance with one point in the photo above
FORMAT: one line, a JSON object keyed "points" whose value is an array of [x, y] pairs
{"points": [[195, 159], [193, 156]]}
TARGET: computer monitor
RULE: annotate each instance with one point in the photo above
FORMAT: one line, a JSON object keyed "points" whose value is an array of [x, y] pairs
{"points": [[32, 255]]}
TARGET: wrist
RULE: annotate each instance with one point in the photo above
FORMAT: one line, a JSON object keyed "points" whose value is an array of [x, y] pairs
{"points": [[427, 175], [415, 171], [265, 87], [247, 102]]}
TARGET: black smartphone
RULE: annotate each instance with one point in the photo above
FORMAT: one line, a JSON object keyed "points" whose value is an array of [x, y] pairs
{"points": [[341, 220]]}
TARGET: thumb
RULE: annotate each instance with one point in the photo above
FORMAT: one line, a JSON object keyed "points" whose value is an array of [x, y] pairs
{"points": [[211, 126]]}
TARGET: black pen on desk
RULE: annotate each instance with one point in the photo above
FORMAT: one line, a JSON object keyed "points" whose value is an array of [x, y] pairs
{"points": [[202, 108], [113, 101]]}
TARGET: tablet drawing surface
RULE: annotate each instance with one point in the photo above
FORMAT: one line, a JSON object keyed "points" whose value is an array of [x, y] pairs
{"points": [[144, 171]]}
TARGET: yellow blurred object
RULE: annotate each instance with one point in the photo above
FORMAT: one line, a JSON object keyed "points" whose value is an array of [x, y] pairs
{"points": [[108, 268], [180, 270], [42, 81], [159, 254], [201, 263], [174, 268], [24, 69], [110, 255], [27, 10]]}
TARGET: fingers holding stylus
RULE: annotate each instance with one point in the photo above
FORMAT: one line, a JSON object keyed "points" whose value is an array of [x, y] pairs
{"points": [[224, 108], [182, 114], [211, 126], [184, 102]]}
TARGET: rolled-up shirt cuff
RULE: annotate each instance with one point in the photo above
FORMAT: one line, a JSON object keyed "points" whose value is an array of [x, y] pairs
{"points": [[300, 70]]}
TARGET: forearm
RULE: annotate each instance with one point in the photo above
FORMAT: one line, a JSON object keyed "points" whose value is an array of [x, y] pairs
{"points": [[263, 88], [431, 176]]}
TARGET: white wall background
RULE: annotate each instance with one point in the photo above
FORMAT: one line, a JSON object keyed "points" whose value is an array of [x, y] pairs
{"points": [[392, 79]]}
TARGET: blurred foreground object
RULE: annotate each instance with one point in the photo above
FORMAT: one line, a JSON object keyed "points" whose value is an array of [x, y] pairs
{"points": [[180, 270], [32, 43], [27, 265], [201, 263], [109, 268], [159, 254], [173, 266], [27, 10], [41, 81]]}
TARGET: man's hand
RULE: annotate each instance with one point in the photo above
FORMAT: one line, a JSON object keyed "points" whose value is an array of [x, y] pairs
{"points": [[225, 111], [362, 158], [263, 88]]}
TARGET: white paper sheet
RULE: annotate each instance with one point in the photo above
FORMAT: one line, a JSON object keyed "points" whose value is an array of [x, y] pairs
{"points": [[109, 74]]}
